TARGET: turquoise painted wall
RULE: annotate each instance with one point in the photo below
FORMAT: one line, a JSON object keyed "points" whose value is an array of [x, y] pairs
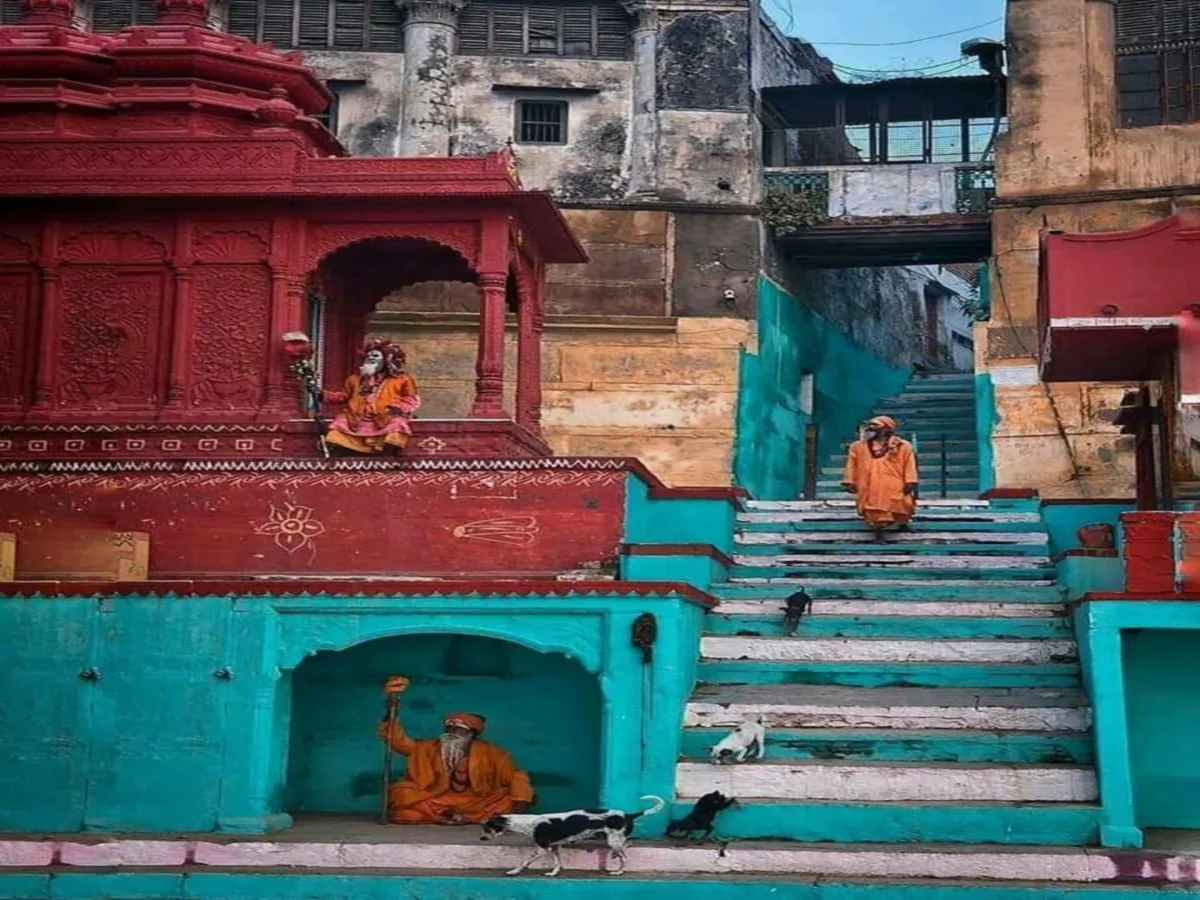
{"points": [[1063, 521], [792, 341], [237, 886], [676, 520], [334, 763], [986, 420], [1162, 678], [1141, 668], [159, 741]]}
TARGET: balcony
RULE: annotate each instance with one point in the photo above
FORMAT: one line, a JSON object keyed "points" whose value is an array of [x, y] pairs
{"points": [[888, 173]]}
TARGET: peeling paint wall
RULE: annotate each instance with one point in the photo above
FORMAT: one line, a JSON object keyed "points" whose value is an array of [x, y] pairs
{"points": [[1062, 140], [917, 189]]}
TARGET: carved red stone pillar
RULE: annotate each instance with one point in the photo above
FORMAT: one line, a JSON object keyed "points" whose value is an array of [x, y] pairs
{"points": [[489, 362], [181, 338], [43, 392], [529, 355], [287, 314]]}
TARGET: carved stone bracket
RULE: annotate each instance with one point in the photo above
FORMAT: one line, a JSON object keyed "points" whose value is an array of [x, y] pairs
{"points": [[644, 634]]}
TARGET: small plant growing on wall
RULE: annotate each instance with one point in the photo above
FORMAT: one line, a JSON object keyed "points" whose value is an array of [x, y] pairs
{"points": [[788, 212]]}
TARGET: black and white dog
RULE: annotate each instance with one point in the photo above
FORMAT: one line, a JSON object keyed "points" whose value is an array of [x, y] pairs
{"points": [[550, 831], [702, 816]]}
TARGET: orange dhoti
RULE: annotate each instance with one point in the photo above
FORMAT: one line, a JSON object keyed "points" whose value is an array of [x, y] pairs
{"points": [[879, 481], [486, 783]]}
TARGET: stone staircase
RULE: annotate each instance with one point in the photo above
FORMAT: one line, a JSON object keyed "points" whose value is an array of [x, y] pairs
{"points": [[933, 410], [932, 694]]}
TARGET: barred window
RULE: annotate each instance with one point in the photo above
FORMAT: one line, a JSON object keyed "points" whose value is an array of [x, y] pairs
{"points": [[10, 12], [1158, 62], [570, 29], [541, 122], [113, 15], [320, 24]]}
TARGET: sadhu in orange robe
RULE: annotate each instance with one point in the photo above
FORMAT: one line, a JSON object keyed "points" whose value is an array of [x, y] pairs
{"points": [[879, 470], [486, 783], [377, 411]]}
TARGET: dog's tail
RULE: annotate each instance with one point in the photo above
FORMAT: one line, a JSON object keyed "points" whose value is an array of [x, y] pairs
{"points": [[659, 803]]}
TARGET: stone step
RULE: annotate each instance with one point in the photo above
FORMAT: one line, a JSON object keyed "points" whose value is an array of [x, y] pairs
{"points": [[948, 823], [887, 574], [904, 708], [847, 523], [958, 590], [988, 676], [830, 493], [930, 487], [929, 469], [347, 857], [926, 628], [972, 505], [805, 649], [930, 745], [889, 547], [888, 782], [1037, 539], [773, 608], [890, 558]]}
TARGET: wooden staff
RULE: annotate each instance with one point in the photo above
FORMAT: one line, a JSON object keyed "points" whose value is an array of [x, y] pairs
{"points": [[396, 685]]}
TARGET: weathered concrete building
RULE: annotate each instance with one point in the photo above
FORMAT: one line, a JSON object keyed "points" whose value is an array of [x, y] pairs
{"points": [[1104, 136]]}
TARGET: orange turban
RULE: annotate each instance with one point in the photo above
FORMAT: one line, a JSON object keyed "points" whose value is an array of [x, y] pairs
{"points": [[465, 720], [884, 422]]}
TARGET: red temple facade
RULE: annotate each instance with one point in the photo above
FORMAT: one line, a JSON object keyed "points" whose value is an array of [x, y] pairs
{"points": [[171, 210]]}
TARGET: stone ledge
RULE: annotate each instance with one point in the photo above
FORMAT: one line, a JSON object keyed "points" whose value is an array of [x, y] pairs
{"points": [[464, 320]]}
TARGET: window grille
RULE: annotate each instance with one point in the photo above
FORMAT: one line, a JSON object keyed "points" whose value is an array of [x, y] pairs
{"points": [[573, 29], [320, 24], [541, 122], [1158, 62]]}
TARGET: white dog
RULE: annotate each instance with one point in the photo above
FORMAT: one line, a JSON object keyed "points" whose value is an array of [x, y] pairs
{"points": [[747, 741], [550, 831]]}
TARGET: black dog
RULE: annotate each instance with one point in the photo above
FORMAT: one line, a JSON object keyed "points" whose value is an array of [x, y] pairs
{"points": [[797, 606], [701, 817]]}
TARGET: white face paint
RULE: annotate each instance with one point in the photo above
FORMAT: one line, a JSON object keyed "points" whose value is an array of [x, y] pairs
{"points": [[454, 745], [371, 364]]}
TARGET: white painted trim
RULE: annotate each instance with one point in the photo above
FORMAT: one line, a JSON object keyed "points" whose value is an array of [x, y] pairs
{"points": [[908, 608], [973, 718], [1143, 322], [760, 538], [807, 505], [853, 861], [889, 783], [849, 515], [892, 561], [893, 582], [867, 650]]}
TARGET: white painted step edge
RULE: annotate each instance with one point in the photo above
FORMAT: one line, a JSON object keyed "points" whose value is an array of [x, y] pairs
{"points": [[850, 861], [849, 515], [774, 608], [971, 718], [863, 536], [808, 505], [889, 784], [892, 560], [800, 649], [948, 583]]}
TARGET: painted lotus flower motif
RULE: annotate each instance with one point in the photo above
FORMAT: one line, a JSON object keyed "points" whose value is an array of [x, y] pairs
{"points": [[292, 527]]}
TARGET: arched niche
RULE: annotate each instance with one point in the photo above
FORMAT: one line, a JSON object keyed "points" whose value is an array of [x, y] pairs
{"points": [[546, 709]]}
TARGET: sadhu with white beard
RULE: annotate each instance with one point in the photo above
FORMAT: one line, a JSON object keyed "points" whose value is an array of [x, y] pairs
{"points": [[454, 779], [379, 401]]}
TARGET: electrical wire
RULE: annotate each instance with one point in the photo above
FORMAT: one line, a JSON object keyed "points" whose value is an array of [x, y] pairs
{"points": [[932, 37], [940, 69]]}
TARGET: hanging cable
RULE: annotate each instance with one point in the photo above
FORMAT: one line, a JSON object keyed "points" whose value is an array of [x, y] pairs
{"points": [[932, 37]]}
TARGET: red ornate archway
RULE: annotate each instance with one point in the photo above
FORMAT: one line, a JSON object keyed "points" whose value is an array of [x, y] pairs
{"points": [[167, 202]]}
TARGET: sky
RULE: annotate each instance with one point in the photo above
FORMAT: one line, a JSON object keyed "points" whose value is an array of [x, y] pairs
{"points": [[833, 26]]}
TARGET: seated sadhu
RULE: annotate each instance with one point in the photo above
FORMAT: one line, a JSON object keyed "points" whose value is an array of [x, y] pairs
{"points": [[453, 779], [881, 472], [379, 400]]}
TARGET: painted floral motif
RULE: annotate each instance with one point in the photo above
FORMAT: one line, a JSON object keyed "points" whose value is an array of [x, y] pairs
{"points": [[292, 527]]}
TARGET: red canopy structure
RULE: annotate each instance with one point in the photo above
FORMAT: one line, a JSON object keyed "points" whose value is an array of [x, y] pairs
{"points": [[169, 209], [1110, 304]]}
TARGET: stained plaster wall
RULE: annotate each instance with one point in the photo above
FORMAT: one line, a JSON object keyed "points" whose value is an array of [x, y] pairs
{"points": [[1063, 140], [882, 310]]}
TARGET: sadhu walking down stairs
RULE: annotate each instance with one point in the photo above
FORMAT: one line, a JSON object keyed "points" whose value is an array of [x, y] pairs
{"points": [[881, 472]]}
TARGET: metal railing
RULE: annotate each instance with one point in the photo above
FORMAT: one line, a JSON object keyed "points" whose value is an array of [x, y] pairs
{"points": [[882, 143], [974, 188]]}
